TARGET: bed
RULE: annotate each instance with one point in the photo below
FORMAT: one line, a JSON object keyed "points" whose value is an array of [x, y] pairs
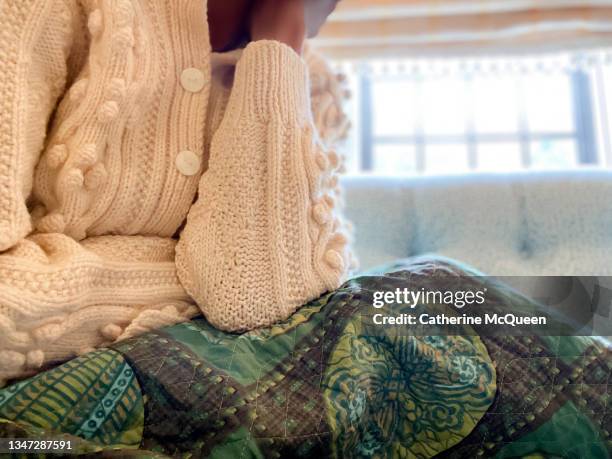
{"points": [[326, 384]]}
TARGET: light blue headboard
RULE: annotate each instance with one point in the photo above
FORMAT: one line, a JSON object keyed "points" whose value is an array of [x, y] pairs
{"points": [[503, 224]]}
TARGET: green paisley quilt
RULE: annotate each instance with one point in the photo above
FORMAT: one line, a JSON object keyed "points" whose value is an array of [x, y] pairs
{"points": [[325, 384]]}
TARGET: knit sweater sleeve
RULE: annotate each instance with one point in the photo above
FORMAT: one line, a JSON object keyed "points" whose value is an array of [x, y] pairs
{"points": [[35, 45], [264, 236]]}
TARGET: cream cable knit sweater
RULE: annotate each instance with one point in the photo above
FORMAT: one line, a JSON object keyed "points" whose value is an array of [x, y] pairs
{"points": [[111, 121]]}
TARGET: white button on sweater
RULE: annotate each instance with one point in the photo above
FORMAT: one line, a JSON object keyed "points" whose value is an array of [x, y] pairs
{"points": [[192, 79], [90, 199], [187, 162]]}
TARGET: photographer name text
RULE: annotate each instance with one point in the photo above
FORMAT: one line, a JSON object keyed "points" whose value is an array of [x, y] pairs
{"points": [[457, 299]]}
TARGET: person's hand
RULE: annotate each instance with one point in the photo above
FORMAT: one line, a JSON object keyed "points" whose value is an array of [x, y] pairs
{"points": [[282, 21], [235, 22]]}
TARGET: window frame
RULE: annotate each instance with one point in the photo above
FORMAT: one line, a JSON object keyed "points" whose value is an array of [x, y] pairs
{"points": [[583, 133]]}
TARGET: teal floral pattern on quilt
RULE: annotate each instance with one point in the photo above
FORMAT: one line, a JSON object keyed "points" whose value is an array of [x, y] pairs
{"points": [[404, 396]]}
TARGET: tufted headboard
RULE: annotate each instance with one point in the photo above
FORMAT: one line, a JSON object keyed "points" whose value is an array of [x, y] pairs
{"points": [[554, 223]]}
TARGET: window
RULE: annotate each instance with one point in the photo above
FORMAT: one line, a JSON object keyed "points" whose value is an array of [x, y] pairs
{"points": [[479, 121]]}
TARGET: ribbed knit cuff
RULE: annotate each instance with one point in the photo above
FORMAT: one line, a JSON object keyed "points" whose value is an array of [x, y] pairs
{"points": [[271, 80]]}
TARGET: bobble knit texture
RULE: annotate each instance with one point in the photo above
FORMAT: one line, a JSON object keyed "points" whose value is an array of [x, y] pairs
{"points": [[93, 115]]}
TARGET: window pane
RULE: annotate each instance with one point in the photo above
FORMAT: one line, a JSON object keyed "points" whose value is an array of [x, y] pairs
{"points": [[394, 159], [444, 105], [553, 154], [548, 99], [495, 105], [446, 158], [499, 156], [393, 106]]}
